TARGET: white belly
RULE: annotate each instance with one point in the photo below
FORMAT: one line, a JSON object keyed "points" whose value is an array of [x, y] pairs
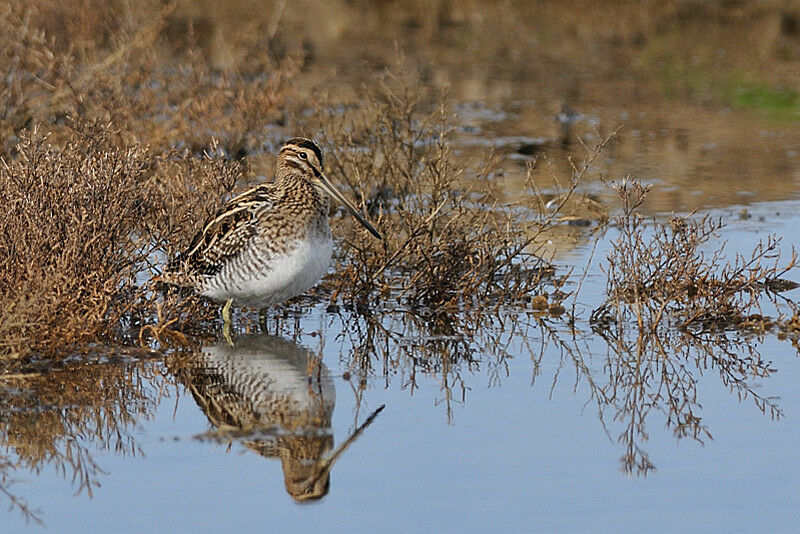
{"points": [[289, 275]]}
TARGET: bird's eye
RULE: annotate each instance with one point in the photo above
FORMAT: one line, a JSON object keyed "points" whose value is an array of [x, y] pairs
{"points": [[303, 155]]}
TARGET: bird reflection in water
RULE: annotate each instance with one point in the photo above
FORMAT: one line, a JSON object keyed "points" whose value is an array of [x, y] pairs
{"points": [[277, 399]]}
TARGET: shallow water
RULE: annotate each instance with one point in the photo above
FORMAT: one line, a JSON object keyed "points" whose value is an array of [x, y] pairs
{"points": [[540, 429], [204, 440]]}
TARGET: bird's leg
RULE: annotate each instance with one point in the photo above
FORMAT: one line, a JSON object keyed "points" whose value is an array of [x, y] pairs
{"points": [[226, 321], [226, 312], [226, 333]]}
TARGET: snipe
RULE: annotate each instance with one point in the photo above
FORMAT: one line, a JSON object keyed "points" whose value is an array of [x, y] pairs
{"points": [[269, 244]]}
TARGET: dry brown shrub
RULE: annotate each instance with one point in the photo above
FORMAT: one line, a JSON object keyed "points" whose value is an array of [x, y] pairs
{"points": [[67, 238], [88, 223], [451, 240], [661, 276]]}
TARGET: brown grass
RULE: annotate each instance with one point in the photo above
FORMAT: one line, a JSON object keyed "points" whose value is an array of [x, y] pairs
{"points": [[123, 149]]}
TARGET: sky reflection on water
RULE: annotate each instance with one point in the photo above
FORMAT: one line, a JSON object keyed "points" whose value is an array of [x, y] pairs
{"points": [[525, 448]]}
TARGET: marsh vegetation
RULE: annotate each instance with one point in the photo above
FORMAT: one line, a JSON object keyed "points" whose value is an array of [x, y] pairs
{"points": [[519, 231]]}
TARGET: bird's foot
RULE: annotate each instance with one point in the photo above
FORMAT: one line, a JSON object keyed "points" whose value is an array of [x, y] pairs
{"points": [[226, 312]]}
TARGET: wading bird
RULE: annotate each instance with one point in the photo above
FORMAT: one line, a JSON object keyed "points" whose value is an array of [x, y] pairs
{"points": [[270, 243]]}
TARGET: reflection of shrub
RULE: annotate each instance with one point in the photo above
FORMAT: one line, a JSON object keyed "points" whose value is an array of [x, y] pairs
{"points": [[61, 417]]}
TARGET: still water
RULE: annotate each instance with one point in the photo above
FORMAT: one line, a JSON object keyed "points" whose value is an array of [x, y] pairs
{"points": [[509, 437]]}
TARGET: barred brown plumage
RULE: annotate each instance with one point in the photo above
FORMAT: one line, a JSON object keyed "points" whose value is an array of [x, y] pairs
{"points": [[270, 243]]}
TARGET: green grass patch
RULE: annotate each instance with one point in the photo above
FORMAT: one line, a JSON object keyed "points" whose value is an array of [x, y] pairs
{"points": [[683, 78], [778, 101]]}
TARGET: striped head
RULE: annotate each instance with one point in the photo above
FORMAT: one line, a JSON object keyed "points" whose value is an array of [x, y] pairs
{"points": [[303, 156], [300, 154]]}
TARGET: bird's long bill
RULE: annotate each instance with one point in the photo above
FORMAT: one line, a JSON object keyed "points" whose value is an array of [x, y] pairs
{"points": [[327, 463], [332, 191]]}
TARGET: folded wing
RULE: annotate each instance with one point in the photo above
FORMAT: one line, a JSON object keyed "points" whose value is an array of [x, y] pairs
{"points": [[224, 234]]}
